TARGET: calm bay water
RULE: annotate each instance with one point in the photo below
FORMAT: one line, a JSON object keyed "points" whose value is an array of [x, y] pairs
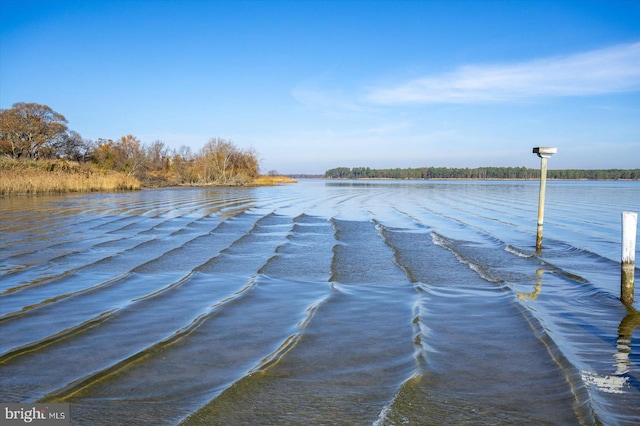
{"points": [[324, 302]]}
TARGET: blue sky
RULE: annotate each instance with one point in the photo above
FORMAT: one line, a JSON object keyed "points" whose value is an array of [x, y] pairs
{"points": [[313, 85]]}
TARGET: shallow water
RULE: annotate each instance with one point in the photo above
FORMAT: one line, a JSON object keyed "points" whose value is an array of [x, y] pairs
{"points": [[324, 302]]}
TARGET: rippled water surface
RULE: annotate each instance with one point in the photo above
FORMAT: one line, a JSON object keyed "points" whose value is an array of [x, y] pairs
{"points": [[324, 302]]}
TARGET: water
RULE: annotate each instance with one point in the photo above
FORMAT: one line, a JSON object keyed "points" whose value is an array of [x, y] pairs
{"points": [[324, 302]]}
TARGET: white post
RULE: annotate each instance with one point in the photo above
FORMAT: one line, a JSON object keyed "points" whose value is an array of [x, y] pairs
{"points": [[629, 225], [543, 191], [543, 152]]}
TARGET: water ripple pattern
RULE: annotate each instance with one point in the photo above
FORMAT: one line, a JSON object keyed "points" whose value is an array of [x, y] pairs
{"points": [[326, 302]]}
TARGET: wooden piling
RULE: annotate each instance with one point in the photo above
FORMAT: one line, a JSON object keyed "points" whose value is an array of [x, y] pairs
{"points": [[543, 190], [544, 153], [629, 226]]}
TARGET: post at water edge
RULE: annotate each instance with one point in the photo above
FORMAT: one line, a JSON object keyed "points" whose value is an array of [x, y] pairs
{"points": [[544, 152], [629, 225]]}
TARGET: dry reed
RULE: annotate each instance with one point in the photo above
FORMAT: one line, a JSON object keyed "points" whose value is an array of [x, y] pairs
{"points": [[59, 176], [272, 180]]}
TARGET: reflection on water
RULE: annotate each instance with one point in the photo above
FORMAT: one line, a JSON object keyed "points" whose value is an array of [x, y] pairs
{"points": [[629, 323], [321, 303], [536, 291]]}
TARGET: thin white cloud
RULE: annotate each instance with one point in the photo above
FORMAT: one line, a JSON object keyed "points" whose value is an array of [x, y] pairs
{"points": [[612, 70]]}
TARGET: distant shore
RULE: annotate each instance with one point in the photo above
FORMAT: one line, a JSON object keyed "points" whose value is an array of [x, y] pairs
{"points": [[480, 179], [480, 173]]}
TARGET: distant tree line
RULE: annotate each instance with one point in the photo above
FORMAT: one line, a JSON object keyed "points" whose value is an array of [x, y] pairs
{"points": [[33, 131], [477, 173]]}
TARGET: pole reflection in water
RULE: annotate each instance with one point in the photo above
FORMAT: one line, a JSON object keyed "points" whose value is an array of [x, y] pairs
{"points": [[536, 291], [629, 323]]}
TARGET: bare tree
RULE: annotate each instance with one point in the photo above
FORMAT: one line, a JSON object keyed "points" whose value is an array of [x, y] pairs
{"points": [[216, 160], [130, 155], [183, 165], [157, 156]]}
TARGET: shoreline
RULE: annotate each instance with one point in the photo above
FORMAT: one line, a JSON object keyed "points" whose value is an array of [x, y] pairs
{"points": [[488, 179]]}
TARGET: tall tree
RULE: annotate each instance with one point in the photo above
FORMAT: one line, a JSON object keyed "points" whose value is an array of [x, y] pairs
{"points": [[130, 154], [217, 157], [31, 130], [156, 156], [73, 147]]}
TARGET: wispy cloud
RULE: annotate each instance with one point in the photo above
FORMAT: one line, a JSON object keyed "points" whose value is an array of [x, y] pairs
{"points": [[611, 70]]}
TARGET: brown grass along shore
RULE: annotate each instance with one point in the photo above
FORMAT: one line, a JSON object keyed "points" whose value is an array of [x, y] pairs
{"points": [[59, 176], [264, 180]]}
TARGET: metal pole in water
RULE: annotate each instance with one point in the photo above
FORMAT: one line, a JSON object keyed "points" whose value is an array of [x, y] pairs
{"points": [[629, 225], [544, 153]]}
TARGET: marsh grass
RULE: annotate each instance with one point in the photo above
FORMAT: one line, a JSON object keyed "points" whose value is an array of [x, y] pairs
{"points": [[59, 176], [62, 176], [242, 180], [272, 180]]}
